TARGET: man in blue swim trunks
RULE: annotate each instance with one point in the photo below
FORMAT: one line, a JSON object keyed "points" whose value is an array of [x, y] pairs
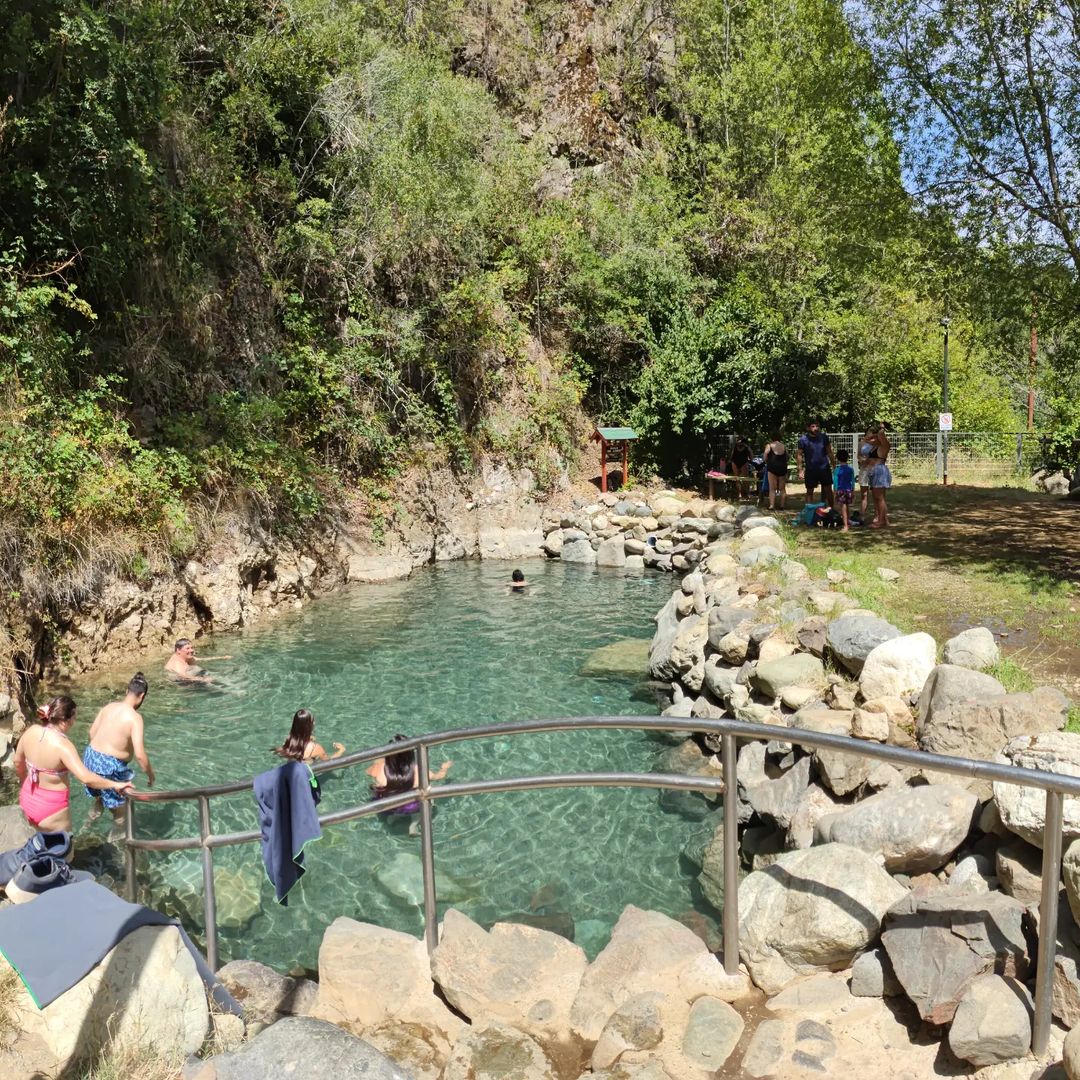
{"points": [[816, 462], [116, 736]]}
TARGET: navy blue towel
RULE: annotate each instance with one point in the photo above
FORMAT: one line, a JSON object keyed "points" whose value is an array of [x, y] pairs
{"points": [[56, 939], [286, 797]]}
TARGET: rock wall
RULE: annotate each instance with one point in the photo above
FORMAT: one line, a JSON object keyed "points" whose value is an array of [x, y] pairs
{"points": [[245, 573]]}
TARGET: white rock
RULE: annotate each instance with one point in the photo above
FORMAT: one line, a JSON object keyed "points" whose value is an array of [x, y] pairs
{"points": [[898, 667], [369, 975], [974, 648], [762, 536]]}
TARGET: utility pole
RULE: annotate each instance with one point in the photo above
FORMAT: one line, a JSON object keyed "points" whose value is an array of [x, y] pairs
{"points": [[945, 398], [1032, 365]]}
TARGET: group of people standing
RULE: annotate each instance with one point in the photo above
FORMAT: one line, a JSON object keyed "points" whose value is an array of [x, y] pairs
{"points": [[820, 466]]}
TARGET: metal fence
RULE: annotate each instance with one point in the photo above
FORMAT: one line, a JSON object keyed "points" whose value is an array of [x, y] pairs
{"points": [[986, 457], [1056, 787]]}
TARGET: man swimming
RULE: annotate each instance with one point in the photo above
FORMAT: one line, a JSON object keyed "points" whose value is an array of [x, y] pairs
{"points": [[116, 736], [517, 582], [184, 664]]}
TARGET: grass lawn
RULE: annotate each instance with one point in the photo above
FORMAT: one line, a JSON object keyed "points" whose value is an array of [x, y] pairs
{"points": [[1004, 558]]}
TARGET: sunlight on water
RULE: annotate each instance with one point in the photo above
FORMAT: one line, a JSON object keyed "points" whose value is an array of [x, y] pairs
{"points": [[447, 648]]}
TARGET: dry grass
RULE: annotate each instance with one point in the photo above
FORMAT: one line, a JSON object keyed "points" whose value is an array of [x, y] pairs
{"points": [[9, 990], [132, 1063]]}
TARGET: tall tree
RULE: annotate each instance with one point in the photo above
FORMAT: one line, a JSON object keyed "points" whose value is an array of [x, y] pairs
{"points": [[991, 96]]}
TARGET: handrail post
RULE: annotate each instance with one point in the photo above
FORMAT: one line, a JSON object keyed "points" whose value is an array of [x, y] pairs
{"points": [[209, 895], [731, 856], [1048, 919], [129, 851], [427, 849]]}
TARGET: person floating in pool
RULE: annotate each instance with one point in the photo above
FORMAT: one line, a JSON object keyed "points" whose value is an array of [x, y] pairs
{"points": [[116, 736], [184, 664], [518, 584], [301, 745], [396, 773]]}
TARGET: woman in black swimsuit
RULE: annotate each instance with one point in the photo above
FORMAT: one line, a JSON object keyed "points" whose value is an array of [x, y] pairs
{"points": [[776, 465]]}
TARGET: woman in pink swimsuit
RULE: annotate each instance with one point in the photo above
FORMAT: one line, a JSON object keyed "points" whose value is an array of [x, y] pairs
{"points": [[44, 758]]}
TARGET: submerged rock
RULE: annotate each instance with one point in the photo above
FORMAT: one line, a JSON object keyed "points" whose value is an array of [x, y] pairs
{"points": [[627, 659]]}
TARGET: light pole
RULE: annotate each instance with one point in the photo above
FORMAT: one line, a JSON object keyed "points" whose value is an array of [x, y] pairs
{"points": [[945, 398]]}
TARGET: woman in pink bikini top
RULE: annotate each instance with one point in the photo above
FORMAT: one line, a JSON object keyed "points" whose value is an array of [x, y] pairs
{"points": [[44, 758]]}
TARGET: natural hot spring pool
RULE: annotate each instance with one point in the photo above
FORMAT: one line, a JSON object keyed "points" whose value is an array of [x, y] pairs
{"points": [[447, 648]]}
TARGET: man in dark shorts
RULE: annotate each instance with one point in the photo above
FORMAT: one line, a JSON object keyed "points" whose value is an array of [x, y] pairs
{"points": [[816, 462]]}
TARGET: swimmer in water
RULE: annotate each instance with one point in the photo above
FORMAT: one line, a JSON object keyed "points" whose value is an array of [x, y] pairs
{"points": [[301, 745], [517, 582], [184, 664], [396, 773]]}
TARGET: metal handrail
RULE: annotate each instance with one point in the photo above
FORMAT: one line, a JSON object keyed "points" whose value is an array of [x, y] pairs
{"points": [[1056, 787]]}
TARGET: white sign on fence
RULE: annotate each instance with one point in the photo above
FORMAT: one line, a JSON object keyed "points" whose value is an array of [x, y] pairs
{"points": [[944, 420]]}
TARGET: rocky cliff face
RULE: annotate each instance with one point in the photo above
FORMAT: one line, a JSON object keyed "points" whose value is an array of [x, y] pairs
{"points": [[245, 574]]}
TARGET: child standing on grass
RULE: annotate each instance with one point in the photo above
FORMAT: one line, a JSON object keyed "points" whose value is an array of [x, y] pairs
{"points": [[844, 486]]}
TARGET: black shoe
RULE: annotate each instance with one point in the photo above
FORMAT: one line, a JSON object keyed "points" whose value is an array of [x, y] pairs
{"points": [[56, 844], [41, 874]]}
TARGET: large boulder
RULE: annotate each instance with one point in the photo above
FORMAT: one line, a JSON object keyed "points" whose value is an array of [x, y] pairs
{"points": [[974, 648], [992, 1022], [667, 626], [1070, 873], [369, 975], [578, 551], [515, 975], [778, 799], [264, 994], [143, 995], [800, 669], [914, 830], [688, 648], [939, 942], [898, 667], [723, 620], [611, 552], [950, 684], [853, 637], [1023, 809], [980, 727], [762, 537], [302, 1047], [648, 952], [811, 910], [1019, 871]]}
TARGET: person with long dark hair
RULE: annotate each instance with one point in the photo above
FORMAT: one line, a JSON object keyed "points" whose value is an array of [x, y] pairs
{"points": [[301, 745], [397, 773], [44, 759]]}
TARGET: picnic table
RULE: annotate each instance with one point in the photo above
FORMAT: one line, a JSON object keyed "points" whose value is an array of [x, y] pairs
{"points": [[730, 481]]}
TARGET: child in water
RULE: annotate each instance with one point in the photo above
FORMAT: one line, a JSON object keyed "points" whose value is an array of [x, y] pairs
{"points": [[518, 582], [844, 486]]}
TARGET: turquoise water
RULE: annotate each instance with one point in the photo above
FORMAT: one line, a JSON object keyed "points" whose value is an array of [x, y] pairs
{"points": [[447, 648]]}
